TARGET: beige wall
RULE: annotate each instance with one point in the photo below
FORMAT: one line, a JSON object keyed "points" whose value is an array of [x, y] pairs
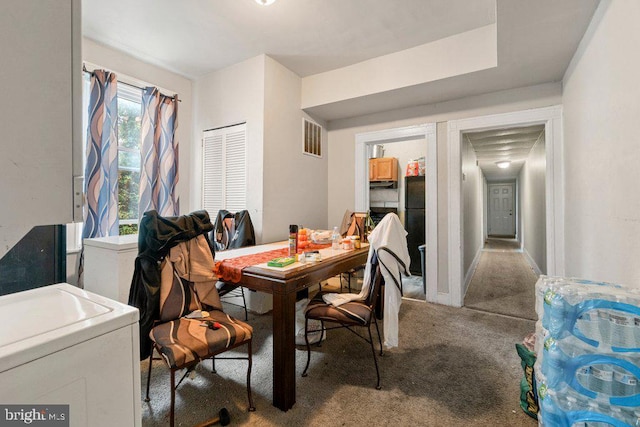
{"points": [[226, 97], [130, 69], [602, 153], [532, 208], [472, 206], [284, 186], [295, 184], [456, 55], [341, 175]]}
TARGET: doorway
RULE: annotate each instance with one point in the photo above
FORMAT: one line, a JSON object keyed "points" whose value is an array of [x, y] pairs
{"points": [[501, 210], [551, 119], [362, 203]]}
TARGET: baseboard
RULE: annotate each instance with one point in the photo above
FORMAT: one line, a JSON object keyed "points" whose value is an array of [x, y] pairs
{"points": [[472, 269], [531, 262], [443, 298]]}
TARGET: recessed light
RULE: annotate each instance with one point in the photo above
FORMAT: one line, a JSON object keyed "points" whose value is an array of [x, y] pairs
{"points": [[503, 164], [265, 2]]}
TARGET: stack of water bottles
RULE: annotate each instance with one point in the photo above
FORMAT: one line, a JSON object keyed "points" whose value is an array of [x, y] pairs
{"points": [[588, 353]]}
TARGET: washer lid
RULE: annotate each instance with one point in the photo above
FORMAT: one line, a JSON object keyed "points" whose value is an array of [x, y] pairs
{"points": [[38, 313], [41, 321]]}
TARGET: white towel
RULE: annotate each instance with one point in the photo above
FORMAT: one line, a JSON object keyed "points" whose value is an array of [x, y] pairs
{"points": [[337, 299], [389, 240]]}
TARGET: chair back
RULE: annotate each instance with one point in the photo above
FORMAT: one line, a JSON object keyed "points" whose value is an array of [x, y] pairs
{"points": [[177, 295], [228, 231], [233, 230], [359, 225], [375, 282], [187, 281]]}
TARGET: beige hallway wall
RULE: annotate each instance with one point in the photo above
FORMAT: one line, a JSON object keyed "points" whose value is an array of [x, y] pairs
{"points": [[602, 153]]}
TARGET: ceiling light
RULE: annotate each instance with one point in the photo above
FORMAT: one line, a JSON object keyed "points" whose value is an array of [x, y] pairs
{"points": [[503, 164], [265, 2]]}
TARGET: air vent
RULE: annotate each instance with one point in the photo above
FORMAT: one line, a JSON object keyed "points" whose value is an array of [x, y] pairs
{"points": [[312, 138]]}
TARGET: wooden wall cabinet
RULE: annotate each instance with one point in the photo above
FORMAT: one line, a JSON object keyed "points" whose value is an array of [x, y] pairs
{"points": [[383, 169]]}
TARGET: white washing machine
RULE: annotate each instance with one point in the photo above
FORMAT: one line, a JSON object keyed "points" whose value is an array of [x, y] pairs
{"points": [[62, 345]]}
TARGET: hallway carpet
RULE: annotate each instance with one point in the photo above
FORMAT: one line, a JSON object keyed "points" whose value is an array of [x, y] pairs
{"points": [[503, 283], [500, 243]]}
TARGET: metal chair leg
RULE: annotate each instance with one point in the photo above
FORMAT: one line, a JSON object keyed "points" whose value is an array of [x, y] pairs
{"points": [[244, 303], [213, 365], [250, 352], [375, 359], [147, 399], [306, 340], [378, 331], [173, 399]]}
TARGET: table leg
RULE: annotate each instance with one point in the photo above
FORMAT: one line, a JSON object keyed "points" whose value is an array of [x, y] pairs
{"points": [[284, 351]]}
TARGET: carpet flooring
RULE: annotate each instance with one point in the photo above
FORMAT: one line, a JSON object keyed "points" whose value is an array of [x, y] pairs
{"points": [[499, 243], [503, 283], [454, 367]]}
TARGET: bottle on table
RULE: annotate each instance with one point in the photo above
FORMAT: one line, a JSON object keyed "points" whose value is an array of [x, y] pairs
{"points": [[293, 240], [335, 239]]}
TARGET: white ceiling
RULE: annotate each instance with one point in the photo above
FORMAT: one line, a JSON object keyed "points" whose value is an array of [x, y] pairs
{"points": [[535, 41], [512, 144], [195, 37]]}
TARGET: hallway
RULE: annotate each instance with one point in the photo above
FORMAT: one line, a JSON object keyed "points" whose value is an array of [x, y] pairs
{"points": [[503, 281]]}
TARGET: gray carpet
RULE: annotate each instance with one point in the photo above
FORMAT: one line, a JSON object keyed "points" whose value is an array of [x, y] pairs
{"points": [[501, 243], [503, 283], [454, 367]]}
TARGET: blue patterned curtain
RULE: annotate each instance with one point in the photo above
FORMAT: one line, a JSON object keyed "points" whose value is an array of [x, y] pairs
{"points": [[159, 173], [101, 170]]}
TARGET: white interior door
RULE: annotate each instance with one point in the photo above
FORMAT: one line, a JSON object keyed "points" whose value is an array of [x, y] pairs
{"points": [[501, 210]]}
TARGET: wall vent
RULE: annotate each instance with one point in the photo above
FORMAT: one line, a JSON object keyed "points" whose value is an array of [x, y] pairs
{"points": [[312, 138]]}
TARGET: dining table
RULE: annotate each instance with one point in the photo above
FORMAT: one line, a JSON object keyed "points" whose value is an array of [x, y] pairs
{"points": [[283, 283]]}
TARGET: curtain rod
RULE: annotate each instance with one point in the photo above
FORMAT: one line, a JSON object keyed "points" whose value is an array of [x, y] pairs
{"points": [[84, 69], [227, 126]]}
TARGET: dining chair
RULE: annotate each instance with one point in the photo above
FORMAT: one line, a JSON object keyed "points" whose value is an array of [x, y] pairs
{"points": [[359, 224], [231, 231], [351, 315], [189, 331]]}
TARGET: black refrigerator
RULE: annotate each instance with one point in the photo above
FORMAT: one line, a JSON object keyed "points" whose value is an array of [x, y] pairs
{"points": [[414, 199]]}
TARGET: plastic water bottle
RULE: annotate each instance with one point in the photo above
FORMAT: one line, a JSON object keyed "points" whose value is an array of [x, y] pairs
{"points": [[622, 327], [588, 324], [624, 383], [335, 239], [601, 379]]}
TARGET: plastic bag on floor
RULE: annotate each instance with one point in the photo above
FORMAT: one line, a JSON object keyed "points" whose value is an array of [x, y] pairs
{"points": [[528, 389]]}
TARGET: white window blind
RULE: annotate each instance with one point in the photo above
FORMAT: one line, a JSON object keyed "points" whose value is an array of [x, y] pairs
{"points": [[224, 169]]}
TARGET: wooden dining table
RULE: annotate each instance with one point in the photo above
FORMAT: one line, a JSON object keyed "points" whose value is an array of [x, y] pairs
{"points": [[283, 284]]}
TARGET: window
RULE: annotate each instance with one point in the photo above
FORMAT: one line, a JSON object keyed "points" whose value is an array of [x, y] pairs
{"points": [[129, 142], [224, 184]]}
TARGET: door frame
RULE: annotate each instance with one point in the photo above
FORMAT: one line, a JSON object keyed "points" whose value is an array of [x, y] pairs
{"points": [[513, 205], [425, 131], [551, 118]]}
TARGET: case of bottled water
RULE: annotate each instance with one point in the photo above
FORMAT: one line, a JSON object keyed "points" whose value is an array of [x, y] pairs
{"points": [[588, 353]]}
